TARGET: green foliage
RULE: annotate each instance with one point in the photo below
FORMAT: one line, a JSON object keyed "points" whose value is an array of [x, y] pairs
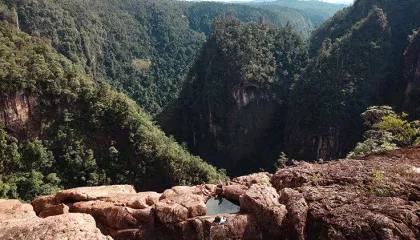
{"points": [[23, 167], [381, 185], [80, 133], [104, 37], [414, 34], [356, 64], [281, 161], [236, 94], [389, 131]]}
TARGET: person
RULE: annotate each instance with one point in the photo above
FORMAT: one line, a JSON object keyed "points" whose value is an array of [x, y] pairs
{"points": [[202, 189], [218, 190], [220, 185], [222, 220]]}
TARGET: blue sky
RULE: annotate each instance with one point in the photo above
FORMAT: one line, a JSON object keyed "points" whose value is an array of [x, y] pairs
{"points": [[331, 1]]}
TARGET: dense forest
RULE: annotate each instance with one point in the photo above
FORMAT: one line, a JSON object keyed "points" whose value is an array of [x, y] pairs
{"points": [[142, 48], [270, 98], [357, 61], [232, 107], [60, 129], [245, 87]]}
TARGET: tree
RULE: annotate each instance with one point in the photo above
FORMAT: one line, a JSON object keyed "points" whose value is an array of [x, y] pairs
{"points": [[388, 131]]}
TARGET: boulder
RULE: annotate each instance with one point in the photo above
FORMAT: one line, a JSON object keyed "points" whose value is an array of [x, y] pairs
{"points": [[297, 210], [237, 227], [117, 217], [43, 202], [170, 212], [290, 177], [179, 203], [18, 221], [263, 203], [14, 209], [92, 193], [262, 178], [338, 211], [54, 210], [140, 200], [233, 192]]}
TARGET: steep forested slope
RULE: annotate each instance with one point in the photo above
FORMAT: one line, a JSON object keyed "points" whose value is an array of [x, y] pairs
{"points": [[358, 58], [235, 110], [141, 47], [60, 129], [318, 12], [232, 107]]}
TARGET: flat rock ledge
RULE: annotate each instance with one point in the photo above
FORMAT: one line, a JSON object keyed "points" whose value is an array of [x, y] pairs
{"points": [[376, 197]]}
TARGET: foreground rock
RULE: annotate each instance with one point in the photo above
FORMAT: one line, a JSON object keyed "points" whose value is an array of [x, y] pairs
{"points": [[376, 197], [18, 221]]}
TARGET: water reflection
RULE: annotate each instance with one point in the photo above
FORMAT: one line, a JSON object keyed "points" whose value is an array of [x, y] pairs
{"points": [[218, 205]]}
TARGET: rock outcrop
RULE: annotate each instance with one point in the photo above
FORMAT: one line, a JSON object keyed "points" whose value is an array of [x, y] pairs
{"points": [[18, 221], [375, 197], [412, 76], [15, 111]]}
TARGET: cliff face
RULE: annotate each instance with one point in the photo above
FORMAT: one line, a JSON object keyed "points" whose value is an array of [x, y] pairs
{"points": [[412, 76], [232, 108], [15, 113], [358, 62], [376, 197]]}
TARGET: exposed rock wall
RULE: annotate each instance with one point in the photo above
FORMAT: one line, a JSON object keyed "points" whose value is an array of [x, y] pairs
{"points": [[15, 111], [323, 144], [376, 197], [412, 77]]}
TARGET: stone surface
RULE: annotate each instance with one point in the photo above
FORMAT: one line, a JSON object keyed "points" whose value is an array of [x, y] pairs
{"points": [[135, 200], [233, 192], [43, 202], [18, 221], [256, 178], [54, 210], [170, 212], [375, 197], [14, 209], [92, 193], [297, 210], [263, 203]]}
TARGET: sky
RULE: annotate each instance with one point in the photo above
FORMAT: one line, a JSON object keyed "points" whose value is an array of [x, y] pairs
{"points": [[331, 1]]}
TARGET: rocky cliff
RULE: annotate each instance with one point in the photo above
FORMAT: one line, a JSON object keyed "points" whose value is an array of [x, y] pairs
{"points": [[377, 197], [412, 75], [357, 62], [231, 110], [15, 111]]}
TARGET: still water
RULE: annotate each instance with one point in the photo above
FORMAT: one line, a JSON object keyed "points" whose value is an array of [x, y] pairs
{"points": [[221, 205]]}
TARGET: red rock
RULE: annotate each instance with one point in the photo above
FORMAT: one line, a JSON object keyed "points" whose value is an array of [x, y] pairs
{"points": [[117, 217], [238, 227], [261, 178], [14, 209], [135, 200], [233, 192], [18, 221], [297, 210], [170, 212], [54, 210], [43, 202], [263, 203], [92, 193]]}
